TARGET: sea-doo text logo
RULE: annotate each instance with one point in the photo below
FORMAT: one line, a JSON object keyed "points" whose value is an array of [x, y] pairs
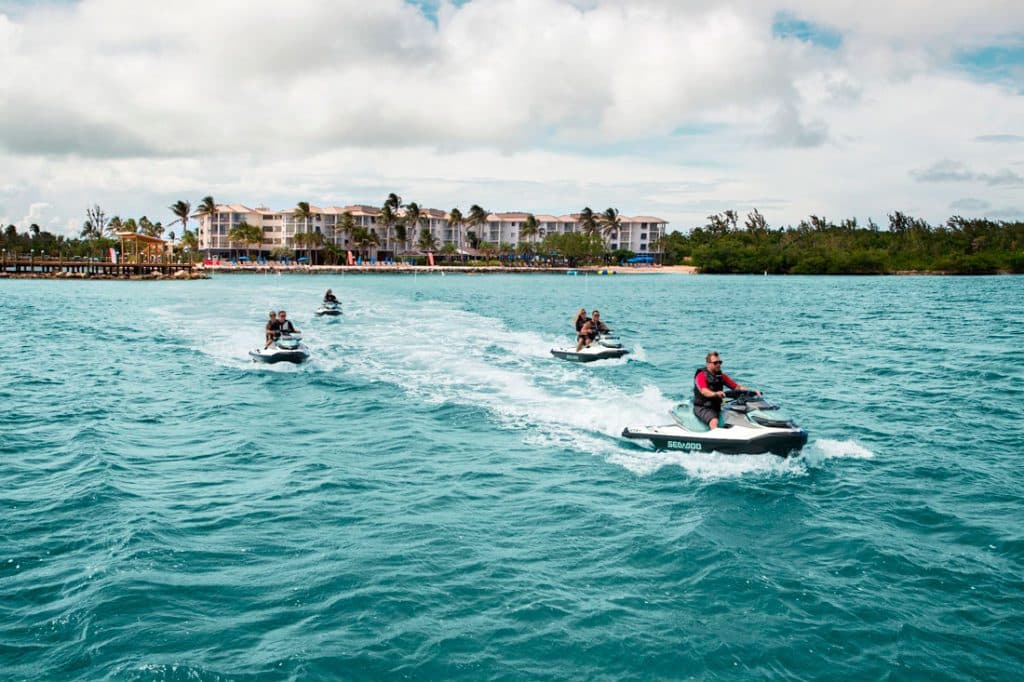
{"points": [[684, 446]]}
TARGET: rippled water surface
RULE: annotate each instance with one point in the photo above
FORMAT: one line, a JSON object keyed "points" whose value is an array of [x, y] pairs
{"points": [[435, 496]]}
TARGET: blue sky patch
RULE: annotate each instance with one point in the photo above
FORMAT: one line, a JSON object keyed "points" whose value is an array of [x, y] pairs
{"points": [[788, 26], [995, 62], [429, 7]]}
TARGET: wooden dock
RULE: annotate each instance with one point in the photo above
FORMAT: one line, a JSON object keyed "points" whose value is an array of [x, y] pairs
{"points": [[21, 266]]}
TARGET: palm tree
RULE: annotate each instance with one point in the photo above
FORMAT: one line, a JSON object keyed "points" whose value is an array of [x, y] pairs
{"points": [[299, 239], [387, 219], [427, 241], [207, 208], [413, 214], [332, 252], [477, 216], [313, 240], [401, 233], [303, 211], [448, 251], [455, 221], [34, 229], [246, 234], [394, 202], [346, 225], [364, 239], [587, 222], [114, 226], [189, 241], [610, 223], [181, 210], [530, 228]]}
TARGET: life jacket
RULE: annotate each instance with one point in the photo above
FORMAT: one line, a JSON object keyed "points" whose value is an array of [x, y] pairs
{"points": [[287, 327], [715, 383]]}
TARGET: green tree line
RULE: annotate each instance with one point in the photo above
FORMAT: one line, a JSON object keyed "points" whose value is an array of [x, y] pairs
{"points": [[820, 246]]}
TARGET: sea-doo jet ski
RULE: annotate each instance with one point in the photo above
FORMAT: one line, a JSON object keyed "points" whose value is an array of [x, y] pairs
{"points": [[748, 425], [329, 308], [287, 348], [603, 347]]}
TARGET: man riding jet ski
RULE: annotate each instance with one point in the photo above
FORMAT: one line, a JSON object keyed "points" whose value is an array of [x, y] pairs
{"points": [[594, 341], [747, 424], [284, 344], [331, 306]]}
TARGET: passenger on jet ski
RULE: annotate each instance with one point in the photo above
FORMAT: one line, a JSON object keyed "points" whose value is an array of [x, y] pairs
{"points": [[329, 297], [285, 325], [581, 317], [708, 384], [273, 329], [586, 334]]}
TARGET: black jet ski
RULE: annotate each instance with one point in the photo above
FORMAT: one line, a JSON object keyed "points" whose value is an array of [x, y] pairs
{"points": [[749, 425], [329, 308], [603, 347], [287, 348]]}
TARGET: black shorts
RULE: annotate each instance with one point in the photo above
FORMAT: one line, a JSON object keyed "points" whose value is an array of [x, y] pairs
{"points": [[705, 413]]}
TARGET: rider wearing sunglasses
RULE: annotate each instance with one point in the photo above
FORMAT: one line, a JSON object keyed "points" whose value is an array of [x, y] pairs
{"points": [[708, 390]]}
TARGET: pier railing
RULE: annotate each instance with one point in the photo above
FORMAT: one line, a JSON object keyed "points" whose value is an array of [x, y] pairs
{"points": [[17, 264]]}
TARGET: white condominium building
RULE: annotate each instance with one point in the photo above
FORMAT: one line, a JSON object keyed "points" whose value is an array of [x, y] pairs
{"points": [[638, 234]]}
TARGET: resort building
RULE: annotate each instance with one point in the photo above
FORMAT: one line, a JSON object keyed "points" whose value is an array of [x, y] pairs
{"points": [[290, 230]]}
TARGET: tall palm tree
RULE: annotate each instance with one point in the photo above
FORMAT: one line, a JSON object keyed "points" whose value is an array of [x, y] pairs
{"points": [[314, 240], [346, 225], [300, 240], [530, 228], [208, 209], [477, 217], [394, 202], [455, 221], [588, 222], [387, 219], [303, 211], [181, 210], [114, 226], [413, 214], [610, 223]]}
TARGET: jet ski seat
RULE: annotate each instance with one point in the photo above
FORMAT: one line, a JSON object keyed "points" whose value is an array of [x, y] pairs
{"points": [[684, 416]]}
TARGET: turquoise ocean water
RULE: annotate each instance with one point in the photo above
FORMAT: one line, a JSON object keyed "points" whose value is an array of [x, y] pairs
{"points": [[433, 496]]}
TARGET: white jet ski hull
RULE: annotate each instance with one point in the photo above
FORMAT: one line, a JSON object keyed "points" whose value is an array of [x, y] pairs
{"points": [[589, 354], [274, 355]]}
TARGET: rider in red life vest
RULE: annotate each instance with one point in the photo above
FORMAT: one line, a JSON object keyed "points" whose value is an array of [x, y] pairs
{"points": [[708, 385]]}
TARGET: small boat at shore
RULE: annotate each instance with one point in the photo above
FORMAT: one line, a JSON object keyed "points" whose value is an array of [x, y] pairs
{"points": [[288, 348]]}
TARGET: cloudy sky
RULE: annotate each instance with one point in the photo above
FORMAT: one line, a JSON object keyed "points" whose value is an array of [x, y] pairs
{"points": [[673, 108]]}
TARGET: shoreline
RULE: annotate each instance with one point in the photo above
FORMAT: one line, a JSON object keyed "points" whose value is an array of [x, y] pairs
{"points": [[207, 271]]}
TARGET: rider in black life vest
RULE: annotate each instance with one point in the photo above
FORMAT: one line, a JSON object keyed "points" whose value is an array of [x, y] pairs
{"points": [[273, 329], [329, 297], [708, 390], [286, 325]]}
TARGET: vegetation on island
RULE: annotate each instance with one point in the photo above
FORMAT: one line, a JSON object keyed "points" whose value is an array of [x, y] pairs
{"points": [[820, 246]]}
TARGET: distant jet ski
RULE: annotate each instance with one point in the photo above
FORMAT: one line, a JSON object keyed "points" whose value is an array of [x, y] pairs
{"points": [[603, 347], [288, 348], [749, 425], [329, 308]]}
